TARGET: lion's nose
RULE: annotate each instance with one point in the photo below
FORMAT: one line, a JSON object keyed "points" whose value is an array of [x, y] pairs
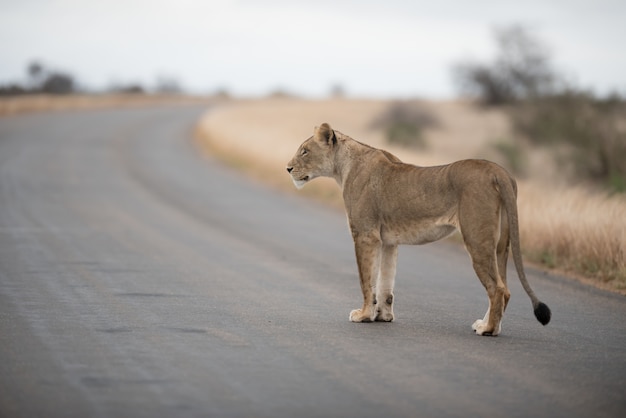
{"points": [[289, 169]]}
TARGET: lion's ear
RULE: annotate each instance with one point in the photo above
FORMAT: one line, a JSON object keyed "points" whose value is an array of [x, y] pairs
{"points": [[325, 134]]}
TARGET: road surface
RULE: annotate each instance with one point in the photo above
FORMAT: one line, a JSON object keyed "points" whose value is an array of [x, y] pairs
{"points": [[140, 279]]}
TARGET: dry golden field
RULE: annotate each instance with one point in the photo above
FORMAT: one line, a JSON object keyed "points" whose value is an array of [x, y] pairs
{"points": [[570, 230], [42, 102]]}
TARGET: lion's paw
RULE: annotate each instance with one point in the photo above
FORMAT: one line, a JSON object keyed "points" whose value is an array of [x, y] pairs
{"points": [[357, 315], [480, 327], [384, 316], [478, 323]]}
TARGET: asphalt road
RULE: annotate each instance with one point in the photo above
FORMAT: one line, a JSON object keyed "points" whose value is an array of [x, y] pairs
{"points": [[140, 279]]}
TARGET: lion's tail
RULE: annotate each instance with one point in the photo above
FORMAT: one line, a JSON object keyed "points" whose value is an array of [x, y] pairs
{"points": [[508, 192]]}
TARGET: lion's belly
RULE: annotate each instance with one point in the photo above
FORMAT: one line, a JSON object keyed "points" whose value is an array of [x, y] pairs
{"points": [[416, 233]]}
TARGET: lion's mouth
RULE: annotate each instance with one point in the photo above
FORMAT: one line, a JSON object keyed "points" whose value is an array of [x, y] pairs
{"points": [[301, 182]]}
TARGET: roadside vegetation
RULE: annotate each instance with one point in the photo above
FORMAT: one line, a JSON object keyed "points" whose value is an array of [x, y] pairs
{"points": [[43, 80], [404, 123], [579, 228], [45, 89], [585, 133]]}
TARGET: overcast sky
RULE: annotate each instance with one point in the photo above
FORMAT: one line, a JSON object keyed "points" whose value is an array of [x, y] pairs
{"points": [[385, 48]]}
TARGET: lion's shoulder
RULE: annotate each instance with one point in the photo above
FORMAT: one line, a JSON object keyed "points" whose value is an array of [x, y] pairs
{"points": [[391, 157]]}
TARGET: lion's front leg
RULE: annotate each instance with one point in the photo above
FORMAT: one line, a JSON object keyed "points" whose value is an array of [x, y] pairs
{"points": [[368, 253], [386, 281]]}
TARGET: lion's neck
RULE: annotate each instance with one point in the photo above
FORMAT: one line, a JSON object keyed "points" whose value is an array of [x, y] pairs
{"points": [[347, 159], [342, 167]]}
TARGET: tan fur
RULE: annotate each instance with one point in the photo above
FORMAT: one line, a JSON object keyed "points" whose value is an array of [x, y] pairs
{"points": [[389, 203]]}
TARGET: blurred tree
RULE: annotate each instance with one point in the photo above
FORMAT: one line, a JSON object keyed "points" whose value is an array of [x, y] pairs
{"points": [[58, 83], [135, 88], [36, 74], [126, 88], [592, 129], [404, 123], [521, 70], [337, 91], [585, 132], [222, 93], [281, 93], [168, 85], [12, 90]]}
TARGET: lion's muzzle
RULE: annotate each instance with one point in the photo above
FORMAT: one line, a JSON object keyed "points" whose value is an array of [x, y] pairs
{"points": [[298, 182]]}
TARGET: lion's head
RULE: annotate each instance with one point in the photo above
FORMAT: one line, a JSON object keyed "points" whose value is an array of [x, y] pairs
{"points": [[314, 157]]}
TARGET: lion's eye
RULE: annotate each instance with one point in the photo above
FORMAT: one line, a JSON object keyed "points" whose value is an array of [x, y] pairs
{"points": [[304, 151]]}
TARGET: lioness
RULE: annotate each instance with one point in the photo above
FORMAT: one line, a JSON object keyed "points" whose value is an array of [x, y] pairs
{"points": [[389, 203]]}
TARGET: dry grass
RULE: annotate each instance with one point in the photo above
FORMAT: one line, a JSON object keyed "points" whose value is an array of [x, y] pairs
{"points": [[42, 102], [572, 230], [577, 231]]}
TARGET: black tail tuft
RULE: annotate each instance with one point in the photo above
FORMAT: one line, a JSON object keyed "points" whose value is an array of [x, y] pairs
{"points": [[542, 313]]}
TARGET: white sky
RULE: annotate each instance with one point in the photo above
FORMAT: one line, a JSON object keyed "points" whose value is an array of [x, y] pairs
{"points": [[385, 48]]}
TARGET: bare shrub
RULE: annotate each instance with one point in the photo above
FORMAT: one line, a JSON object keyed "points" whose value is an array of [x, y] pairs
{"points": [[131, 88], [592, 129], [513, 155], [168, 85], [58, 83], [42, 80], [404, 123], [12, 90]]}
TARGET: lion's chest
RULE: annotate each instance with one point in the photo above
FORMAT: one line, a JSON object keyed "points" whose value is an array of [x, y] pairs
{"points": [[416, 232]]}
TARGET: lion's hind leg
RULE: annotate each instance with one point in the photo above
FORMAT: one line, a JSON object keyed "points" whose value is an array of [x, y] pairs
{"points": [[502, 254], [486, 268], [481, 237], [491, 324]]}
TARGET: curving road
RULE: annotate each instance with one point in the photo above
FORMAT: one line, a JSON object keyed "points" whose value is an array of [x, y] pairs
{"points": [[139, 279]]}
